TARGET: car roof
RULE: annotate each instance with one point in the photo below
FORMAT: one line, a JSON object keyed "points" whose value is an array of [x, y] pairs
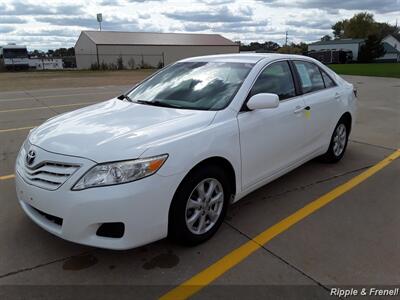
{"points": [[243, 57]]}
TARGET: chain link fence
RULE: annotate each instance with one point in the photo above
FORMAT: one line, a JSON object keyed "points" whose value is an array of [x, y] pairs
{"points": [[103, 61]]}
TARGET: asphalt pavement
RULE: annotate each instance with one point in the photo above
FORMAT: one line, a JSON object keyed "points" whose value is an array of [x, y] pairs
{"points": [[352, 241]]}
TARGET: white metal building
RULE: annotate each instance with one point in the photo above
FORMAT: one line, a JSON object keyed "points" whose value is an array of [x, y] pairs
{"points": [[393, 40], [46, 63], [391, 54], [144, 49], [352, 45], [391, 43]]}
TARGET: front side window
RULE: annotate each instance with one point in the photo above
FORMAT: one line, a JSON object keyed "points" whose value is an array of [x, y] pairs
{"points": [[193, 85], [310, 76], [275, 79]]}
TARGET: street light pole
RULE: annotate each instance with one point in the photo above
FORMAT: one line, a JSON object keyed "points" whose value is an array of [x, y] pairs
{"points": [[99, 19]]}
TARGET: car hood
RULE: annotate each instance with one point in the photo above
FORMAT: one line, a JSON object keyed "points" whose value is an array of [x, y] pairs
{"points": [[116, 130]]}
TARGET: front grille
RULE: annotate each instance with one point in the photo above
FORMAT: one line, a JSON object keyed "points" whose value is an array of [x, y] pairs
{"points": [[46, 174]]}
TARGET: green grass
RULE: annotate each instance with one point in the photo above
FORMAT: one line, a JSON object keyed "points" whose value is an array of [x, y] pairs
{"points": [[377, 69]]}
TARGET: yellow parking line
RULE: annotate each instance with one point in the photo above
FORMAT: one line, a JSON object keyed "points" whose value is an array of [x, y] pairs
{"points": [[5, 177], [44, 107], [211, 273], [15, 129]]}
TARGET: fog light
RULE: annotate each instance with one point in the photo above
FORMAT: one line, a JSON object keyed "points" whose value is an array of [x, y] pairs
{"points": [[111, 230]]}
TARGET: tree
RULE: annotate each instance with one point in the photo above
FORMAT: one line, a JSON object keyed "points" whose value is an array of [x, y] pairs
{"points": [[372, 49], [326, 38], [271, 46], [384, 29], [290, 50], [293, 48], [37, 53], [338, 29], [364, 26], [302, 46], [256, 46], [361, 25]]}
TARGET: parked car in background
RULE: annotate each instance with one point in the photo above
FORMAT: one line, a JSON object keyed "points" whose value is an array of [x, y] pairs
{"points": [[168, 157]]}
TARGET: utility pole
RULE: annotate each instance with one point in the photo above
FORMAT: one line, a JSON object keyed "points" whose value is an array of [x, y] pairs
{"points": [[286, 38]]}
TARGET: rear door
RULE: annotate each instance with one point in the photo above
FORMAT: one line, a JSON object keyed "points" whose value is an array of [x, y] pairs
{"points": [[320, 95]]}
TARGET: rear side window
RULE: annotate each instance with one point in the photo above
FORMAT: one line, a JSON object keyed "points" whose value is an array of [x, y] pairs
{"points": [[310, 76], [275, 79], [328, 81]]}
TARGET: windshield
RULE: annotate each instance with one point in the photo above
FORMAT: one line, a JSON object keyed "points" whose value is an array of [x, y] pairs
{"points": [[193, 85]]}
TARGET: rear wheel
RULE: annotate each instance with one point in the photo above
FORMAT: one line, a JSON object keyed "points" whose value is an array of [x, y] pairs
{"points": [[338, 142], [199, 205]]}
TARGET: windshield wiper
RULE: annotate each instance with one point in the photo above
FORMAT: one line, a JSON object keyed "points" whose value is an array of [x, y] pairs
{"points": [[123, 96], [157, 103]]}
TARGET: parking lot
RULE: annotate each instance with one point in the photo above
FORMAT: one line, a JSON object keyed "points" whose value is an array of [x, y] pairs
{"points": [[351, 241]]}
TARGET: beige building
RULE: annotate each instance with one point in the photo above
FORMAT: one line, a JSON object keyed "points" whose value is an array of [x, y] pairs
{"points": [[145, 49]]}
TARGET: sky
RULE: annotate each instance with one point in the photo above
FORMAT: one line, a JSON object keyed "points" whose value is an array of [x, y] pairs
{"points": [[48, 24]]}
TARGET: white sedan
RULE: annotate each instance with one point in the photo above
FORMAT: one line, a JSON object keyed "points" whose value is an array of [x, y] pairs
{"points": [[169, 156]]}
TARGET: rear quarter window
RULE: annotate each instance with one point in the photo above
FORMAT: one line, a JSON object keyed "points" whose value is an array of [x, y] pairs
{"points": [[327, 80]]}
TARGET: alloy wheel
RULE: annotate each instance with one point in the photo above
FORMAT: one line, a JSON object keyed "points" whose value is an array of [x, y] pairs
{"points": [[339, 140], [204, 206]]}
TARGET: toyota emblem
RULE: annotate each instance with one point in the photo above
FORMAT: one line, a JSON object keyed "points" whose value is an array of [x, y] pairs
{"points": [[30, 157]]}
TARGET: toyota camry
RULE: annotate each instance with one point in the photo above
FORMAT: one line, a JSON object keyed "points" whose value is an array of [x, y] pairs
{"points": [[170, 155]]}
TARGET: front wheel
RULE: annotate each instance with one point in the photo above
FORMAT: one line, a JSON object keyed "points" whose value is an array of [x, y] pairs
{"points": [[338, 144], [199, 205]]}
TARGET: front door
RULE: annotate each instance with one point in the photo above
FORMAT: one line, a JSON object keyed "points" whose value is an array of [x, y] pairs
{"points": [[272, 139]]}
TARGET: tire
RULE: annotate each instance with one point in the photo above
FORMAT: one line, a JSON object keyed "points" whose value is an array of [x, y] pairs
{"points": [[181, 227], [338, 144]]}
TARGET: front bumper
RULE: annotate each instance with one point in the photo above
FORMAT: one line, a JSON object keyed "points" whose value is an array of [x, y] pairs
{"points": [[141, 205]]}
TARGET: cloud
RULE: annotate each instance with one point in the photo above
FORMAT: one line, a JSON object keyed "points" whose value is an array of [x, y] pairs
{"points": [[144, 16], [48, 33], [21, 9], [381, 6], [50, 23], [194, 27], [91, 22], [143, 1], [216, 2], [12, 20], [313, 24], [37, 42], [237, 27], [110, 2], [220, 15], [6, 29]]}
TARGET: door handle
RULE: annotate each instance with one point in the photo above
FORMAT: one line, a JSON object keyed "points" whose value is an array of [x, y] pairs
{"points": [[337, 96], [300, 109]]}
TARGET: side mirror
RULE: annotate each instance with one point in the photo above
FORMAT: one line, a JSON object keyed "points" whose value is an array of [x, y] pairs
{"points": [[263, 101]]}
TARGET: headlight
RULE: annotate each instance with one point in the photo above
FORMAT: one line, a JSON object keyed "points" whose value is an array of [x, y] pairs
{"points": [[120, 172]]}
